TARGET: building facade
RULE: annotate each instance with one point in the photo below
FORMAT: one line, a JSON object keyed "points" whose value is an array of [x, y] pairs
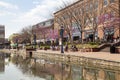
{"points": [[2, 34], [45, 31], [88, 19]]}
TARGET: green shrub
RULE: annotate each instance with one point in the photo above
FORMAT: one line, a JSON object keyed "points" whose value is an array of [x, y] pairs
{"points": [[90, 45], [93, 43], [47, 47]]}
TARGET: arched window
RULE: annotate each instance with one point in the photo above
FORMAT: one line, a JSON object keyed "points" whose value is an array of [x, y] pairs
{"points": [[105, 2]]}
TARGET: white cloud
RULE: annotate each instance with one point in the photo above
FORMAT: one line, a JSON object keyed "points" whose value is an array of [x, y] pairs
{"points": [[8, 5], [36, 2], [42, 11], [5, 13]]}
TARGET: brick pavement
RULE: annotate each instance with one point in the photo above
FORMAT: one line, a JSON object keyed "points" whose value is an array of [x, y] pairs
{"points": [[98, 55]]}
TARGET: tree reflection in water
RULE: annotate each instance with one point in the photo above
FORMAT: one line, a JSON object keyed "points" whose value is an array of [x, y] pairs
{"points": [[2, 63], [109, 75], [59, 71]]}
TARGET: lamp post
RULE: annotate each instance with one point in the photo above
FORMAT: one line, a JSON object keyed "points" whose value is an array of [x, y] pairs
{"points": [[34, 38], [16, 43], [61, 35]]}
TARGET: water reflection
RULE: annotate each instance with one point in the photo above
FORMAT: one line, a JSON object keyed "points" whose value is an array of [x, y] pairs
{"points": [[17, 68], [2, 63]]}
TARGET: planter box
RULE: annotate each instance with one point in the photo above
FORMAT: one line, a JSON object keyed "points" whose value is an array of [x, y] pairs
{"points": [[30, 49], [117, 49], [89, 50], [95, 49]]}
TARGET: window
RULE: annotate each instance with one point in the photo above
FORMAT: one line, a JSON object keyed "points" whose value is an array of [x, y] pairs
{"points": [[75, 27], [91, 7], [87, 21], [81, 11], [76, 12], [105, 2], [96, 19], [65, 16], [96, 4], [109, 31], [52, 21], [48, 23], [1, 35], [58, 20], [87, 8], [111, 1], [43, 24]]}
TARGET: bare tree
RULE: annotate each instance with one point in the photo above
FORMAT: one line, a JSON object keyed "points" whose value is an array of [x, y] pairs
{"points": [[85, 16], [44, 32], [69, 16], [26, 34], [79, 17], [65, 20]]}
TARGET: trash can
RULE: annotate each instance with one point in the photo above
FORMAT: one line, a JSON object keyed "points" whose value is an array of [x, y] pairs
{"points": [[112, 49]]}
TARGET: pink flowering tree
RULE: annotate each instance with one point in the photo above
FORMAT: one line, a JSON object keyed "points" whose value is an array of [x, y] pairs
{"points": [[41, 32], [53, 34], [109, 21]]}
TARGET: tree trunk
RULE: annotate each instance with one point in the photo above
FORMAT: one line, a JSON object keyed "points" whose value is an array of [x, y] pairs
{"points": [[70, 39], [81, 40]]}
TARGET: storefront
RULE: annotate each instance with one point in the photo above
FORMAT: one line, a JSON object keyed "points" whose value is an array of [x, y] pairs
{"points": [[109, 34], [89, 35]]}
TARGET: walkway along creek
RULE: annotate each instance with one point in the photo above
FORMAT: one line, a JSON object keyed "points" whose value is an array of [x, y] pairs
{"points": [[67, 59]]}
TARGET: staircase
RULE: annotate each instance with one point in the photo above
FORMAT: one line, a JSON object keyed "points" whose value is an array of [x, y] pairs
{"points": [[106, 49], [117, 43], [106, 46]]}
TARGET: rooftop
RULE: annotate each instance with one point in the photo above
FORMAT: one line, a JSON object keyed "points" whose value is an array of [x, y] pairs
{"points": [[66, 6]]}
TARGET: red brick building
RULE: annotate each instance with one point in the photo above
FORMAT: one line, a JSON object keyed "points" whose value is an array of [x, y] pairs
{"points": [[90, 18]]}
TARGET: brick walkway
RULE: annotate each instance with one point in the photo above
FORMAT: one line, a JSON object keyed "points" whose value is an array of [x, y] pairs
{"points": [[98, 55]]}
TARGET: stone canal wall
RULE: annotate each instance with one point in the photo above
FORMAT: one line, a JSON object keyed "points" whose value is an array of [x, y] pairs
{"points": [[66, 59], [79, 60], [21, 52]]}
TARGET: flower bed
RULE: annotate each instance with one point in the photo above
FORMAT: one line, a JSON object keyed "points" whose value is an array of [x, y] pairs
{"points": [[88, 47]]}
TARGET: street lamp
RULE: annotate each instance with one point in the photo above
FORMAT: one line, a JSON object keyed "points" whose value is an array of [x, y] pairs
{"points": [[61, 35], [16, 43], [34, 39]]}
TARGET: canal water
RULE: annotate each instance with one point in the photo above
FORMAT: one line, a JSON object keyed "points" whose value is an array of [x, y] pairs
{"points": [[17, 68]]}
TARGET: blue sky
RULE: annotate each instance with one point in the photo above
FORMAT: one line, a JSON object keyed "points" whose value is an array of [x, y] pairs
{"points": [[16, 14]]}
